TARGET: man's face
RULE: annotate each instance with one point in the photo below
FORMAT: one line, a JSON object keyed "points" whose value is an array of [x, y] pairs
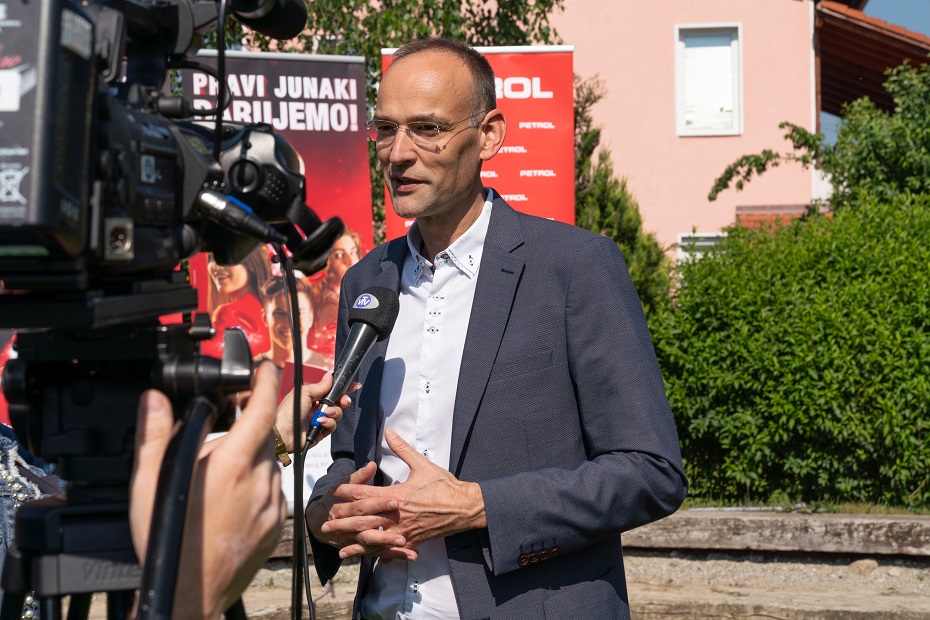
{"points": [[430, 86], [276, 318]]}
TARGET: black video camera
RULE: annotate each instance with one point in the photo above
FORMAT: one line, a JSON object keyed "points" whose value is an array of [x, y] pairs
{"points": [[104, 187], [107, 183]]}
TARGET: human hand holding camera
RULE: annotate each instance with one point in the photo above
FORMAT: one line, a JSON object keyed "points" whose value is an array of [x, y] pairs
{"points": [[236, 509]]}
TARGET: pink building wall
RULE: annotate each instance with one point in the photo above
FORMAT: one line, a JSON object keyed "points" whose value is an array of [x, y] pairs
{"points": [[631, 45]]}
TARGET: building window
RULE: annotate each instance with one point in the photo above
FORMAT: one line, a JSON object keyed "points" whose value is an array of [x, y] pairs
{"points": [[708, 68], [691, 246]]}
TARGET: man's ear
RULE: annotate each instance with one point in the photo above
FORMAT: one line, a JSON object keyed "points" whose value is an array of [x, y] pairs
{"points": [[493, 131]]}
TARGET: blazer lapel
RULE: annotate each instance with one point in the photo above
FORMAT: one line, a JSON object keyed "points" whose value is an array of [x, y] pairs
{"points": [[366, 436], [501, 269]]}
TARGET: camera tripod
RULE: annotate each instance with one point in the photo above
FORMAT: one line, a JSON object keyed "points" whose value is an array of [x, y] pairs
{"points": [[73, 397]]}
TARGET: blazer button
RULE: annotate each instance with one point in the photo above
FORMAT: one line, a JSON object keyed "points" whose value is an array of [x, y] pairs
{"points": [[554, 552], [543, 556], [523, 561]]}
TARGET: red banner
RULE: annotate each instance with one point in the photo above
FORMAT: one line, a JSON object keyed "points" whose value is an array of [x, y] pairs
{"points": [[317, 103], [535, 170]]}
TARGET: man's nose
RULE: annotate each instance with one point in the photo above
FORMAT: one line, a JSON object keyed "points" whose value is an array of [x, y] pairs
{"points": [[403, 148]]}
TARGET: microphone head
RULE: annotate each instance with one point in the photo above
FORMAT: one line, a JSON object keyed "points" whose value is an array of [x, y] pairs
{"points": [[377, 306]]}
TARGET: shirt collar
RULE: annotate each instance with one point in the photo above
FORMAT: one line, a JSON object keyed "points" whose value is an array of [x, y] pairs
{"points": [[465, 252]]}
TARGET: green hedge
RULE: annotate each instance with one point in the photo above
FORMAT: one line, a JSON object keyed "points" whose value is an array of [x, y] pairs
{"points": [[797, 360]]}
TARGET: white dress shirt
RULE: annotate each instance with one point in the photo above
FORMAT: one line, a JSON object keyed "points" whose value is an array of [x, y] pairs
{"points": [[418, 386]]}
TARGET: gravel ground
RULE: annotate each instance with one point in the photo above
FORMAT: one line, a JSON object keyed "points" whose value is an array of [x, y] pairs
{"points": [[685, 585]]}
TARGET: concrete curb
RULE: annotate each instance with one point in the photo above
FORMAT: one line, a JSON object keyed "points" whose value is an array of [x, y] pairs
{"points": [[786, 531], [732, 534], [852, 534]]}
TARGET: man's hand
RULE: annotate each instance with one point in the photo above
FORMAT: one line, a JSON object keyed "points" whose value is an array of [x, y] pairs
{"points": [[235, 509], [431, 503], [361, 524]]}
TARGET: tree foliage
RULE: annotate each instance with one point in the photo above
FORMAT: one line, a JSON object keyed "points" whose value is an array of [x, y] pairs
{"points": [[876, 153], [797, 359], [604, 204], [364, 27]]}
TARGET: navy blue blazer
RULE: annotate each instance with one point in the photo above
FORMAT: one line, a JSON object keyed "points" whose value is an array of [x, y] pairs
{"points": [[560, 416]]}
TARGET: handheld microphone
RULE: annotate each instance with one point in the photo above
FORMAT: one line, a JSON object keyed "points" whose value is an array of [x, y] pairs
{"points": [[371, 318]]}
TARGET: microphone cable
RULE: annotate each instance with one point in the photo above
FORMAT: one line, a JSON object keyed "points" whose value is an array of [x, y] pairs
{"points": [[221, 101], [302, 572]]}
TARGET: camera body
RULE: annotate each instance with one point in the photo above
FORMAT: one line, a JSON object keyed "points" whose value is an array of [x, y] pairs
{"points": [[99, 174], [102, 185], [106, 184], [49, 89]]}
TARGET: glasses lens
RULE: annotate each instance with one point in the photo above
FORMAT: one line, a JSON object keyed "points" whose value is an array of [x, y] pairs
{"points": [[424, 133], [381, 131]]}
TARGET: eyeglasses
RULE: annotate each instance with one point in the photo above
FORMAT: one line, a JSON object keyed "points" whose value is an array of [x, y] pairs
{"points": [[425, 134]]}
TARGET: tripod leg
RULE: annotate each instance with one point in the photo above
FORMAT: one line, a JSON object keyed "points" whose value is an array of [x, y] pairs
{"points": [[50, 608], [119, 604], [13, 584], [12, 608], [79, 606], [236, 611]]}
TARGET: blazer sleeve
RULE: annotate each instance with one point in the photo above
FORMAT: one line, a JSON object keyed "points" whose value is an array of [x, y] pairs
{"points": [[326, 558], [631, 471]]}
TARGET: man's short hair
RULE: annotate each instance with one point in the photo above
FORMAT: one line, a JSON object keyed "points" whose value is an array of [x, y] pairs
{"points": [[478, 65]]}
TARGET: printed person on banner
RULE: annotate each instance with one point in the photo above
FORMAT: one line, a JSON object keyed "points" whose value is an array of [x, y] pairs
{"points": [[515, 423]]}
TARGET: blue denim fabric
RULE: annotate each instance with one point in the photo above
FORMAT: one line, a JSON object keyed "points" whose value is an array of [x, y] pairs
{"points": [[14, 487]]}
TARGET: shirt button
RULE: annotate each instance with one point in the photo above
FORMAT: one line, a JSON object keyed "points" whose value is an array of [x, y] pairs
{"points": [[444, 256]]}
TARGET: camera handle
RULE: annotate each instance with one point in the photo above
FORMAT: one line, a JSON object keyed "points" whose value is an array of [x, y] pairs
{"points": [[179, 465]]}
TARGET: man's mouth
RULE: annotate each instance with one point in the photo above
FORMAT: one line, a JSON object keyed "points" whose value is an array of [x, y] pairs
{"points": [[405, 184]]}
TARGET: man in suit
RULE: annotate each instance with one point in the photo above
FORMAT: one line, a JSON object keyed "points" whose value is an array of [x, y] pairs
{"points": [[515, 423]]}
